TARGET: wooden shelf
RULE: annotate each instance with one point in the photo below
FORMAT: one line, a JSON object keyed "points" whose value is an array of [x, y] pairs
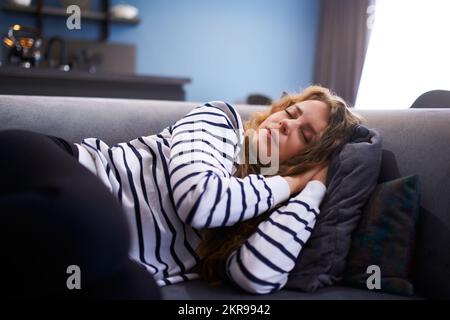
{"points": [[61, 12], [102, 16]]}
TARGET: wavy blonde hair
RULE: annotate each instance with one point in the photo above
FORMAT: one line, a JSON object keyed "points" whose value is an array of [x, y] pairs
{"points": [[218, 243]]}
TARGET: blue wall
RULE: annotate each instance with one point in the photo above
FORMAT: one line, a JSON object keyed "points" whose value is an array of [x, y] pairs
{"points": [[229, 48]]}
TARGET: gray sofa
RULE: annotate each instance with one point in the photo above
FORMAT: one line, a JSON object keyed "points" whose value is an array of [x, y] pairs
{"points": [[416, 141]]}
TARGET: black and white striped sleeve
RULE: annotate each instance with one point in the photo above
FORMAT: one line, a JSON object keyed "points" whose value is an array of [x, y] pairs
{"points": [[262, 264], [205, 144]]}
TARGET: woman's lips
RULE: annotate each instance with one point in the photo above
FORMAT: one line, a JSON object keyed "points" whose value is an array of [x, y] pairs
{"points": [[272, 136]]}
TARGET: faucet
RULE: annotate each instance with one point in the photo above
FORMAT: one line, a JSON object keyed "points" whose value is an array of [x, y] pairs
{"points": [[52, 63]]}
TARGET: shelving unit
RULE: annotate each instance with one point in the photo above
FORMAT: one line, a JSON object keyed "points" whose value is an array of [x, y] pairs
{"points": [[40, 10]]}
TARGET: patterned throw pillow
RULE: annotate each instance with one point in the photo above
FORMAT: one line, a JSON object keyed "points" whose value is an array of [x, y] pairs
{"points": [[385, 237]]}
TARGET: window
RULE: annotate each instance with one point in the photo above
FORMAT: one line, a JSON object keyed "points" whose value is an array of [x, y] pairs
{"points": [[408, 53]]}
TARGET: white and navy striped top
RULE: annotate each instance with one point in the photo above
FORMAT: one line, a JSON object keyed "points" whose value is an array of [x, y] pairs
{"points": [[178, 181]]}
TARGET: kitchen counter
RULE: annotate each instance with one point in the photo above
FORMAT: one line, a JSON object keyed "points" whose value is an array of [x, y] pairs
{"points": [[49, 82]]}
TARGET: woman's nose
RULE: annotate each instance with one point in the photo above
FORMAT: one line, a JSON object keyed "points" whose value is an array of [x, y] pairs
{"points": [[284, 127]]}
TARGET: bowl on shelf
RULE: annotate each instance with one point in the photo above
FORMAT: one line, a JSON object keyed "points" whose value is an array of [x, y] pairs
{"points": [[124, 11], [20, 3]]}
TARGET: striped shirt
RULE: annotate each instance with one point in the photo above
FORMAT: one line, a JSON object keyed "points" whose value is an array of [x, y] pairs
{"points": [[181, 180]]}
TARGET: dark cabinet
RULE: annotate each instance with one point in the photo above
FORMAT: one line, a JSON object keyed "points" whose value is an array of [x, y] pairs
{"points": [[21, 81]]}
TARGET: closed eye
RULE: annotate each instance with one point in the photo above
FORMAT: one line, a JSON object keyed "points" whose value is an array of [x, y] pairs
{"points": [[304, 137], [301, 131], [289, 114]]}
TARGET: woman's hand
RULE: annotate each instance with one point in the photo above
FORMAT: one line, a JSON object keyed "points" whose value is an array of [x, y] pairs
{"points": [[298, 182], [321, 175]]}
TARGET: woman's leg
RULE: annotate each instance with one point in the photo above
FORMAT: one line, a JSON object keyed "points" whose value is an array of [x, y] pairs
{"points": [[55, 214]]}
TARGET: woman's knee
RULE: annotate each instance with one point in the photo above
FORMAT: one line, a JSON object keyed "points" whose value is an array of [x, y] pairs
{"points": [[50, 231], [17, 140], [95, 231], [10, 134]]}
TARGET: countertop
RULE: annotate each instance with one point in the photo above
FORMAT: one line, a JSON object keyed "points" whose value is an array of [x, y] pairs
{"points": [[84, 75], [53, 82]]}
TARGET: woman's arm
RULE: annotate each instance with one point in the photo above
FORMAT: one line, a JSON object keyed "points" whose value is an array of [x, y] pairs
{"points": [[262, 264], [204, 145]]}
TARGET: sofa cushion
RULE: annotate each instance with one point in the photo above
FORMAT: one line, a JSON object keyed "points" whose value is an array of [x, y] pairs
{"points": [[200, 290], [111, 120], [385, 237]]}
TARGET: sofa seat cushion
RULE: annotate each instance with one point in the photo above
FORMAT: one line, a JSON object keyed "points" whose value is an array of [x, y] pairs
{"points": [[200, 290]]}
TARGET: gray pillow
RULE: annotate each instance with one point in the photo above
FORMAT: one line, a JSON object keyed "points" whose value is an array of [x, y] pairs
{"points": [[352, 176]]}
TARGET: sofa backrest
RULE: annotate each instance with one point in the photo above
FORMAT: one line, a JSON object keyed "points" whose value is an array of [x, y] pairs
{"points": [[415, 141]]}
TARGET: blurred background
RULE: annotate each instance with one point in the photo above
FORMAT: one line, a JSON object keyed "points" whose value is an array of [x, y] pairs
{"points": [[376, 54]]}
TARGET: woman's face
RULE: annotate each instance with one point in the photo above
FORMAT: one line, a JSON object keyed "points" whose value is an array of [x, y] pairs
{"points": [[292, 130]]}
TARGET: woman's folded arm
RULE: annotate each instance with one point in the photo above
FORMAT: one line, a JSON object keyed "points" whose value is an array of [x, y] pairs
{"points": [[262, 264], [205, 144]]}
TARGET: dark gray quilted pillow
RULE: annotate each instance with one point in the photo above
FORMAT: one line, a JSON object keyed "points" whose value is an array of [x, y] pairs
{"points": [[352, 176]]}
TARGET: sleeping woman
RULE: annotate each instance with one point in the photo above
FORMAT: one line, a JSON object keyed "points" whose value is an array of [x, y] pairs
{"points": [[209, 196]]}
